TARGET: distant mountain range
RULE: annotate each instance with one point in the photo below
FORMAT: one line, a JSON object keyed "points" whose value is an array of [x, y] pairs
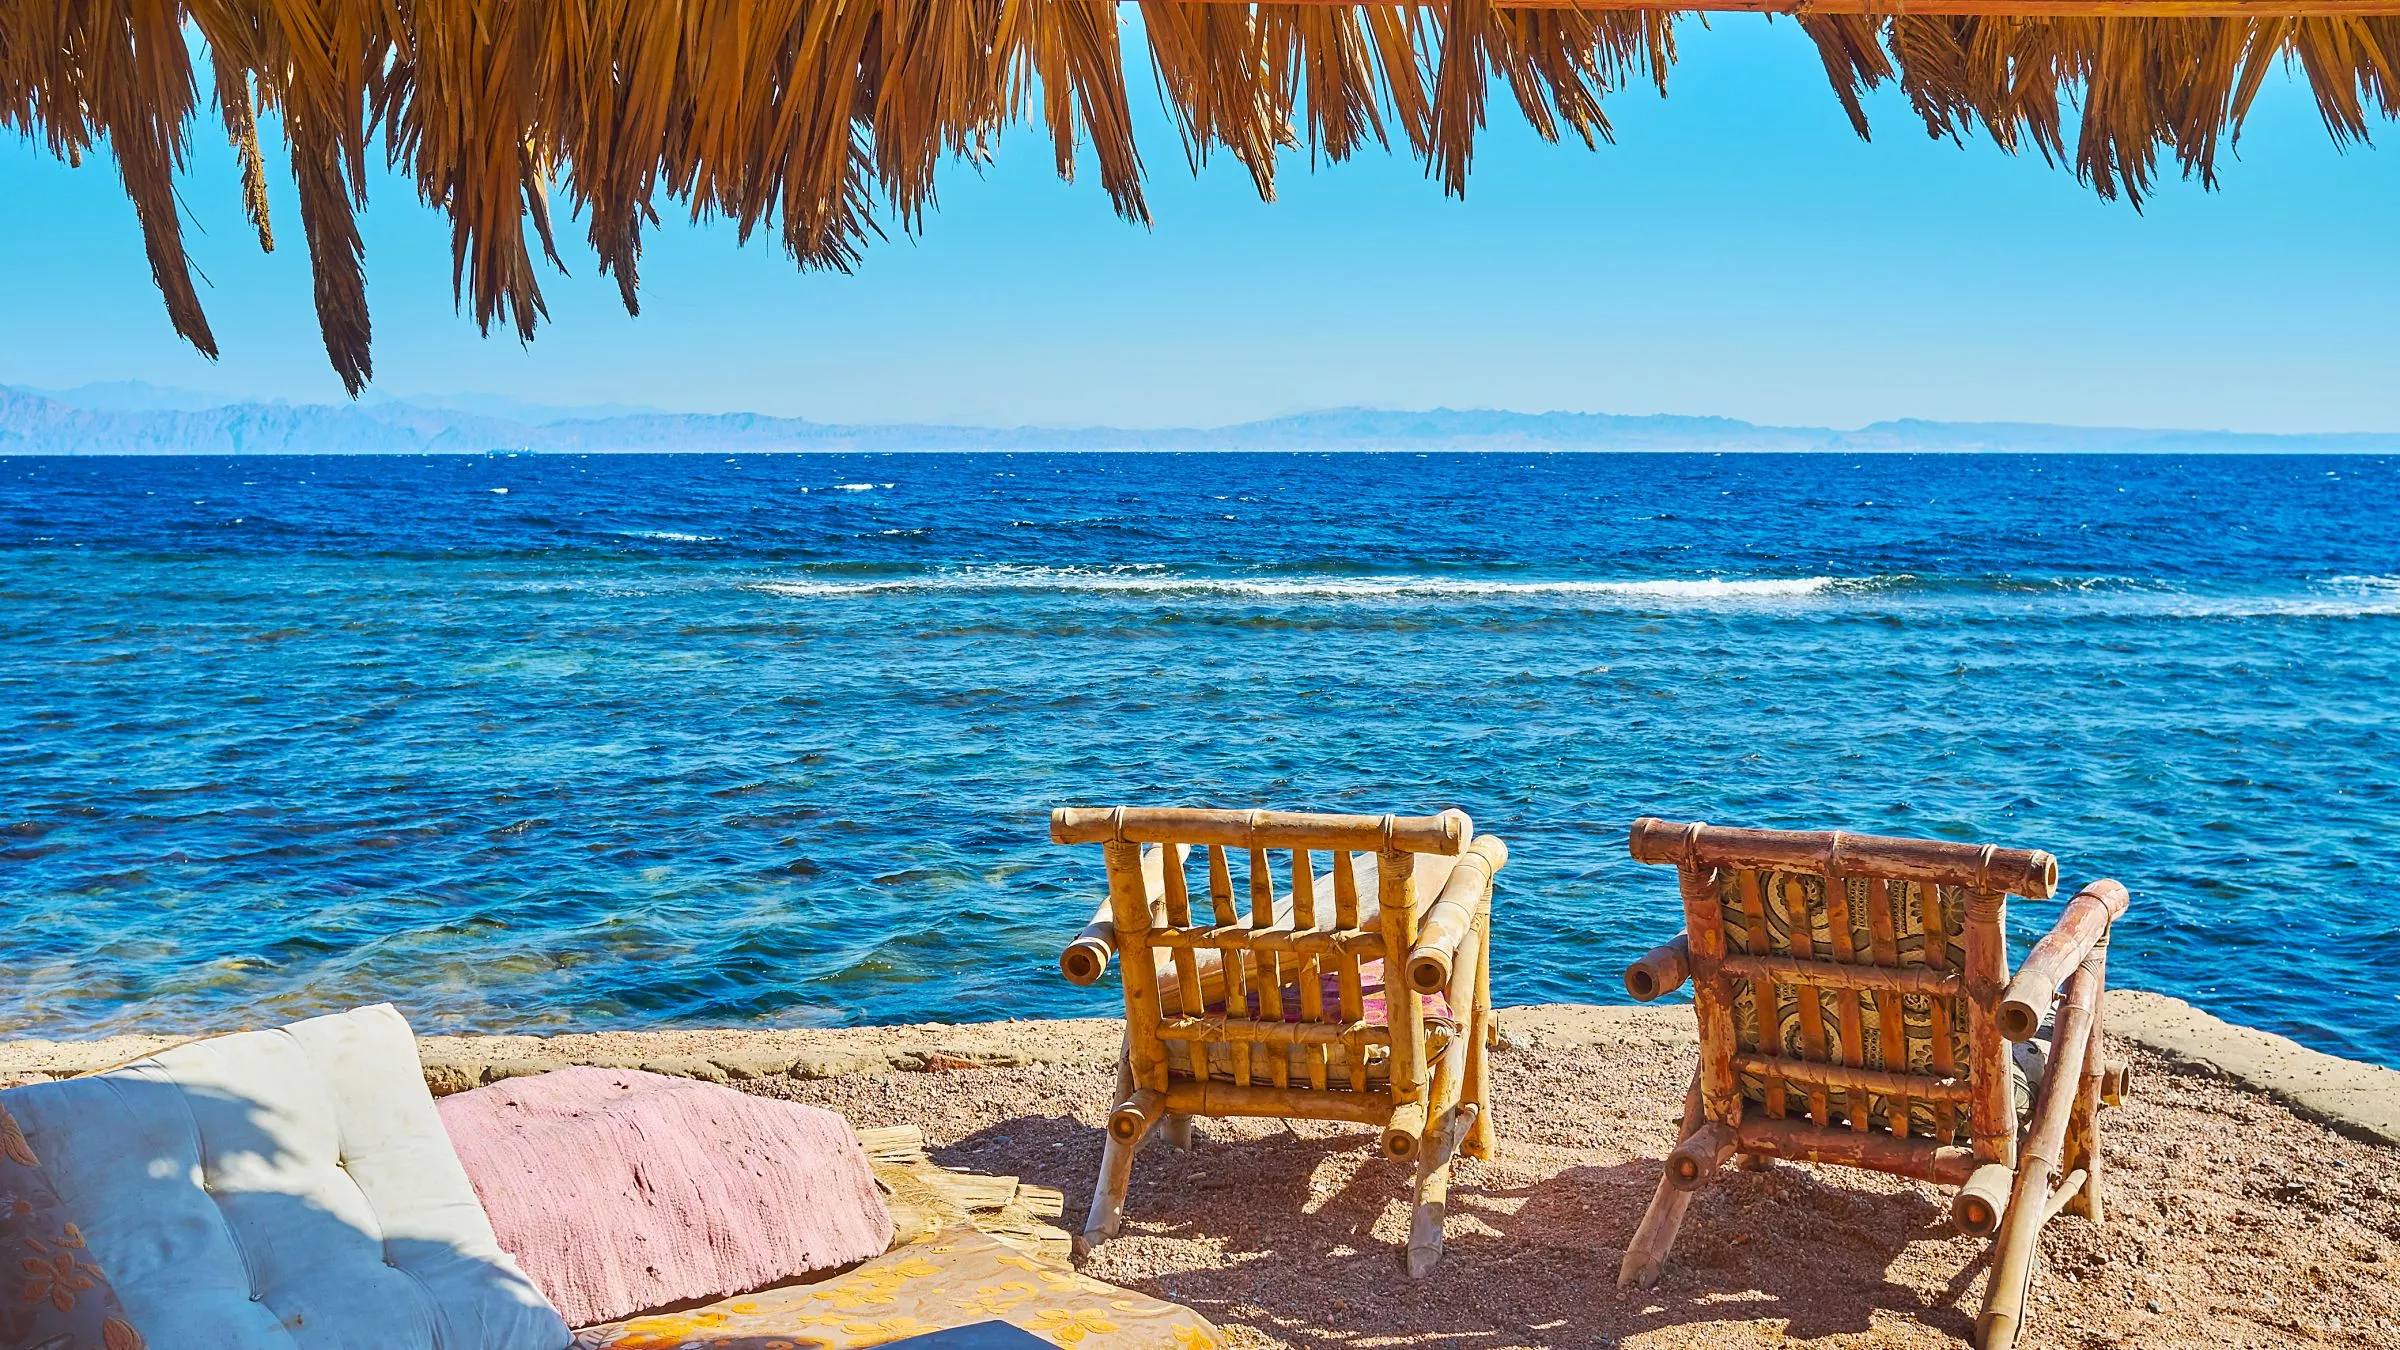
{"points": [[129, 418]]}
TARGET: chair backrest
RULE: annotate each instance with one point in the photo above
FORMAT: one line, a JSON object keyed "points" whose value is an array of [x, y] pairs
{"points": [[1213, 1016], [1852, 980]]}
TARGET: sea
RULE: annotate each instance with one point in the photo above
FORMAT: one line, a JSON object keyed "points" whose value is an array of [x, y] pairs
{"points": [[523, 743]]}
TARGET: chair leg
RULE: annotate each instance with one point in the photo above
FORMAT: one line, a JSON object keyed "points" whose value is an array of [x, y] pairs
{"points": [[1433, 1189], [1483, 1139], [2083, 1134], [1177, 1131], [1116, 1169], [1646, 1254]]}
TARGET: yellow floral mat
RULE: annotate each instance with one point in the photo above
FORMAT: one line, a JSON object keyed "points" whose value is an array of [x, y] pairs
{"points": [[953, 1278]]}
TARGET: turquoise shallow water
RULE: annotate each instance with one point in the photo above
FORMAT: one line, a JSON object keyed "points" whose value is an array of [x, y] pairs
{"points": [[653, 740]]}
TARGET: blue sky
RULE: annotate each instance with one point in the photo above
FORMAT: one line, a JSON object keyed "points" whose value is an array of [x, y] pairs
{"points": [[1737, 251]]}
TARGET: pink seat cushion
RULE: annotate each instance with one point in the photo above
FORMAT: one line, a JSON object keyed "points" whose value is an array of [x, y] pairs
{"points": [[620, 1192]]}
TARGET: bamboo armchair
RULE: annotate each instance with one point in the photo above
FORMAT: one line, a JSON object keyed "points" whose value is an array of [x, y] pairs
{"points": [[1273, 1012], [1856, 1007]]}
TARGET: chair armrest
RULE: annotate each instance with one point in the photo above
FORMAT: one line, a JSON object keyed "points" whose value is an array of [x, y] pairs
{"points": [[1663, 971], [1452, 914], [2080, 927], [1086, 958]]}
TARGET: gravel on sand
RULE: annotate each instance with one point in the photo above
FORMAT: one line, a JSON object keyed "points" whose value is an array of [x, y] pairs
{"points": [[2230, 1221]]}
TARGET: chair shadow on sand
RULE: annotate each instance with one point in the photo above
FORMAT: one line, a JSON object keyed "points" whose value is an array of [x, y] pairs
{"points": [[1300, 1255]]}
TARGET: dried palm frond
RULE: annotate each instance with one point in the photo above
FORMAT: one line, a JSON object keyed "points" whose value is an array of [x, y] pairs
{"points": [[823, 120]]}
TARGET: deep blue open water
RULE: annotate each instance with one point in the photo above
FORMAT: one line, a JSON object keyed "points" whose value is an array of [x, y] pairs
{"points": [[524, 742]]}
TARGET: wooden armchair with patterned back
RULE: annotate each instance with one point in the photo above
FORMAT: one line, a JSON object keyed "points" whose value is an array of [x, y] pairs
{"points": [[1274, 1000], [1856, 1007]]}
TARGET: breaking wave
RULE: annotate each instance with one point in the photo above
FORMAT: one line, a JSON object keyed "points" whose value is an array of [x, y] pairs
{"points": [[1160, 582]]}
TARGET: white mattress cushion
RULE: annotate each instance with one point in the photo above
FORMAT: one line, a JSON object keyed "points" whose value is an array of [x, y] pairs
{"points": [[289, 1189]]}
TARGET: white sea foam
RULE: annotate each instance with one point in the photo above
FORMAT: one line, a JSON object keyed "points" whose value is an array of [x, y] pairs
{"points": [[854, 487], [1154, 580], [2332, 598]]}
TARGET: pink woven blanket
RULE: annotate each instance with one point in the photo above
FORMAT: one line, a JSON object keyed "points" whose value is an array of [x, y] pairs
{"points": [[620, 1192]]}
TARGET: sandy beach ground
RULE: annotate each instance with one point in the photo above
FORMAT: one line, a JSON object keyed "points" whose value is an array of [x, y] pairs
{"points": [[2233, 1219]]}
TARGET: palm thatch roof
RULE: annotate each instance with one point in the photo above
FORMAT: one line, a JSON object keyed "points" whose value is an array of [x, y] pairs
{"points": [[824, 120]]}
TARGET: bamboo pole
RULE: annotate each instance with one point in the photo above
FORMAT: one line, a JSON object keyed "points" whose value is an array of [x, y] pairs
{"points": [[1662, 970], [1212, 1030], [1992, 1113], [1799, 1140], [1646, 1253], [1851, 1030], [1814, 1075], [1352, 987], [2027, 872], [1449, 1122], [2081, 925], [2038, 1163], [2083, 1133], [1701, 1153], [1827, 975], [1765, 995], [1116, 1159], [1215, 1097], [1086, 958], [1312, 970], [1453, 913], [1433, 1189], [1483, 1140], [1234, 956], [1883, 934], [1140, 1111], [1447, 833], [1270, 964], [1803, 939], [1304, 944], [1712, 993], [1404, 1131], [1980, 1203], [1129, 899], [1937, 957], [1187, 966], [1396, 886]]}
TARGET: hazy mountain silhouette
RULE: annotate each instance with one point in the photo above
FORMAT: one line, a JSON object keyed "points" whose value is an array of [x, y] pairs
{"points": [[130, 418]]}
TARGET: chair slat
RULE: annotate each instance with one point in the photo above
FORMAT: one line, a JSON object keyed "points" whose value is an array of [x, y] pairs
{"points": [[1345, 917], [1230, 955], [1937, 957], [1828, 975], [1321, 944], [1884, 933], [1268, 973], [1254, 1031], [1179, 913], [1815, 1075], [1838, 917], [1311, 976], [1765, 995], [1812, 1012]]}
